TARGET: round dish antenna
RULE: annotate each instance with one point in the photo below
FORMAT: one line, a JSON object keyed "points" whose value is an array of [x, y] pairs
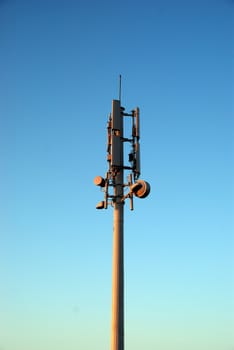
{"points": [[140, 189]]}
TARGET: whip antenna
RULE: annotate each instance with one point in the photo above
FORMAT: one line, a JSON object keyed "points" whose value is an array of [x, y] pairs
{"points": [[120, 86]]}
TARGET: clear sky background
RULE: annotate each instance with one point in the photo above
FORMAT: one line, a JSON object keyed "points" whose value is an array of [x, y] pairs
{"points": [[59, 67]]}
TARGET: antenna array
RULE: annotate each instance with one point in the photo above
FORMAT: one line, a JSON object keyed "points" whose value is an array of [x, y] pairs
{"points": [[115, 141]]}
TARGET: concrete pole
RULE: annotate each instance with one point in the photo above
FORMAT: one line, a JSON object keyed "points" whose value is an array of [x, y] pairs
{"points": [[117, 334]]}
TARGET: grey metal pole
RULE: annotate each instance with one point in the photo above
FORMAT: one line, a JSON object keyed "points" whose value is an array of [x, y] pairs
{"points": [[115, 180], [117, 333]]}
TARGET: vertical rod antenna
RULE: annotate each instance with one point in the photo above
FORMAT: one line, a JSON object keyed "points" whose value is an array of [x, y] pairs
{"points": [[120, 87]]}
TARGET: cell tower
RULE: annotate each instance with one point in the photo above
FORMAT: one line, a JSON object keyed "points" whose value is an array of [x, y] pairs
{"points": [[114, 188]]}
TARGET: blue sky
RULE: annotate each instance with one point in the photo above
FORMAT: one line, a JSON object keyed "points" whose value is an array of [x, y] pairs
{"points": [[60, 62]]}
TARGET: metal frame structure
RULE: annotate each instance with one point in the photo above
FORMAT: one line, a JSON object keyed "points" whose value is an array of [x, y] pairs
{"points": [[114, 187]]}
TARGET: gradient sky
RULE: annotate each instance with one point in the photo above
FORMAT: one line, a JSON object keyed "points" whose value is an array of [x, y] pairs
{"points": [[59, 67]]}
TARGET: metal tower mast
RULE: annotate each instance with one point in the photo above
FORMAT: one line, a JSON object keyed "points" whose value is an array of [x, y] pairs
{"points": [[114, 182]]}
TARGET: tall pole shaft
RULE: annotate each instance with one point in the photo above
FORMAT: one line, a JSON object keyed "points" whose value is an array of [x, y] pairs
{"points": [[117, 334], [118, 280]]}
